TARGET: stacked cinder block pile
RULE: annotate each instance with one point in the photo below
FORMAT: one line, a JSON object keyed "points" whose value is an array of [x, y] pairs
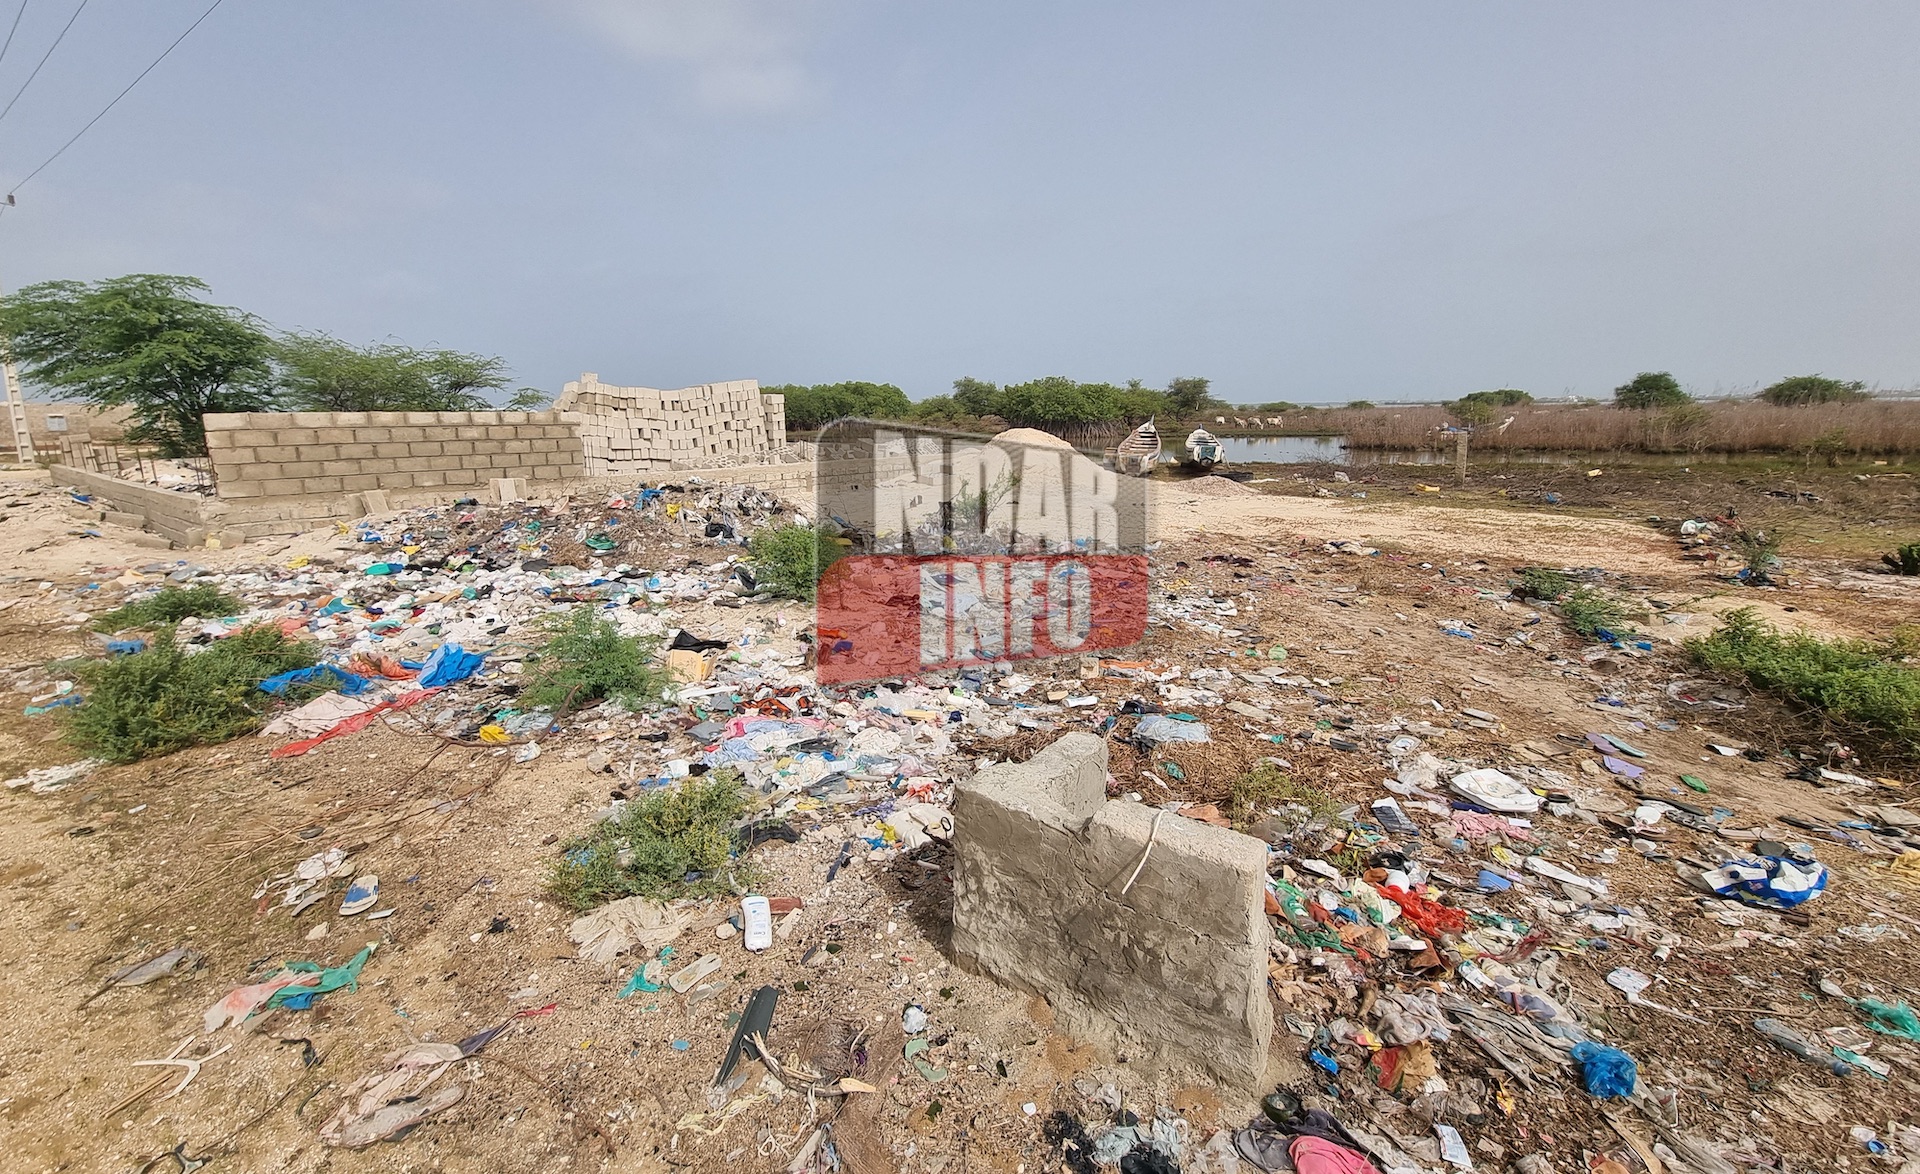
{"points": [[263, 455], [626, 430]]}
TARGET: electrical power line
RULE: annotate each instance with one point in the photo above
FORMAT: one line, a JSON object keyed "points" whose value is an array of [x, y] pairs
{"points": [[116, 98], [44, 56], [13, 30]]}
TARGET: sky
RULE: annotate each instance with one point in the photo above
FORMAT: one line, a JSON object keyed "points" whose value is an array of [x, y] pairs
{"points": [[1315, 202]]}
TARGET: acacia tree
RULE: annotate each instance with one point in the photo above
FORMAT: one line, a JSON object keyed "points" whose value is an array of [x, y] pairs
{"points": [[1799, 390], [1188, 395], [1650, 389], [319, 373], [143, 342]]}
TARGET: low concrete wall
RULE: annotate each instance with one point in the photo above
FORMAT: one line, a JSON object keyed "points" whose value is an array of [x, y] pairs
{"points": [[1175, 969], [187, 519], [262, 455]]}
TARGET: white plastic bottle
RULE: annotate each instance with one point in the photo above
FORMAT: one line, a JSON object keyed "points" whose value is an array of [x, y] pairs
{"points": [[756, 916]]}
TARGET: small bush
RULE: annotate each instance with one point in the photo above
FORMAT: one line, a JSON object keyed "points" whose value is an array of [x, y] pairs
{"points": [[1588, 611], [168, 607], [1800, 390], [166, 698], [1856, 684], [789, 560], [1759, 550], [586, 661], [1541, 583], [651, 846], [1905, 560]]}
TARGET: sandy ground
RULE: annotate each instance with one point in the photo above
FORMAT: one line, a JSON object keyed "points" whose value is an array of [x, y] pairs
{"points": [[139, 859]]}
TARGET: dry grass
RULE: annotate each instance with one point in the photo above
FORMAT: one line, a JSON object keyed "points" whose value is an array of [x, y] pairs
{"points": [[1827, 431]]}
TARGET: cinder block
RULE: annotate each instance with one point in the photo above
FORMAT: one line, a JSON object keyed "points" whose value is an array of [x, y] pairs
{"points": [[482, 461], [423, 418], [360, 481], [396, 480], [428, 479], [311, 419], [239, 490], [545, 473], [457, 448], [321, 452], [451, 417], [349, 419], [544, 445], [322, 485], [334, 435], [424, 448], [443, 464], [299, 437], [386, 419], [254, 438], [392, 451], [358, 451], [489, 447], [518, 445], [282, 487], [303, 469], [439, 433], [223, 421]]}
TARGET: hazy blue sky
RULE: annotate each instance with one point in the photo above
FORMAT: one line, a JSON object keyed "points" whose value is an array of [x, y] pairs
{"points": [[1299, 200]]}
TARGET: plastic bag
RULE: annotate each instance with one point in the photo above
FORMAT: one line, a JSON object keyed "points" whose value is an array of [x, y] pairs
{"points": [[1607, 1072]]}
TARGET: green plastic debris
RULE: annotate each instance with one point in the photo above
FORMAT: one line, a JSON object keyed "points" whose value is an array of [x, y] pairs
{"points": [[333, 978], [1697, 784], [1890, 1018]]}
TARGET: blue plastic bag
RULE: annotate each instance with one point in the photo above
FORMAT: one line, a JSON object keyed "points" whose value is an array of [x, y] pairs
{"points": [[449, 664], [1607, 1072], [1774, 882], [350, 683]]}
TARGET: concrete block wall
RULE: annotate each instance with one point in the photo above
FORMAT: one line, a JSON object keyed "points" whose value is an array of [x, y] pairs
{"points": [[1173, 969], [627, 430], [187, 519], [330, 454]]}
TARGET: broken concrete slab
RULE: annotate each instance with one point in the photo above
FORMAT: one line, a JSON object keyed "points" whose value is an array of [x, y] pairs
{"points": [[1146, 932]]}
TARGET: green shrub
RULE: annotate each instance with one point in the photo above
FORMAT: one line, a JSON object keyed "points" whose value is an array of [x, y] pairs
{"points": [[1650, 389], [1541, 583], [167, 698], [586, 660], [168, 607], [789, 560], [655, 841], [1905, 560], [1588, 610], [1759, 550], [1856, 684], [1800, 390]]}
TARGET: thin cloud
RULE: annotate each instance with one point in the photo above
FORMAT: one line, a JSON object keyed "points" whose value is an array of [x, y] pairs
{"points": [[739, 55]]}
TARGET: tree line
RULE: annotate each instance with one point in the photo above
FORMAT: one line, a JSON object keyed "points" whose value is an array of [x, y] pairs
{"points": [[150, 343], [1055, 403]]}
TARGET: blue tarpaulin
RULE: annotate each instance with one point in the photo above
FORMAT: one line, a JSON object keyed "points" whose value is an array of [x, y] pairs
{"points": [[350, 683], [448, 664]]}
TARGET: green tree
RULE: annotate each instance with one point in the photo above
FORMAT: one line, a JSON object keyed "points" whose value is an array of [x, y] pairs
{"points": [[1480, 407], [319, 373], [1279, 405], [1650, 389], [1799, 390], [1057, 401], [976, 397], [143, 342], [1360, 404], [1137, 402], [815, 407], [938, 407], [1187, 395], [528, 399]]}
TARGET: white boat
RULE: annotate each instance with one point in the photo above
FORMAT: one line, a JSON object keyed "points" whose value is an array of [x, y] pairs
{"points": [[1203, 449], [1138, 452]]}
